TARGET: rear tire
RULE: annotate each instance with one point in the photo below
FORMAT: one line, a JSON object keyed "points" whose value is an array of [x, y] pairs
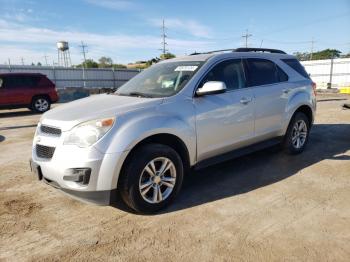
{"points": [[297, 134], [40, 104], [151, 178]]}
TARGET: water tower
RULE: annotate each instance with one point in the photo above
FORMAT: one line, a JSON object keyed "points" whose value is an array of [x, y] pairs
{"points": [[63, 54]]}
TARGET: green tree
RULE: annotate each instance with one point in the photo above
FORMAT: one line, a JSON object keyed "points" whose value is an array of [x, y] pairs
{"points": [[105, 62], [302, 56], [116, 66], [167, 56], [89, 63], [326, 54], [38, 64]]}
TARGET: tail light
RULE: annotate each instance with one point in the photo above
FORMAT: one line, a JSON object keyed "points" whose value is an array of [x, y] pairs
{"points": [[314, 87]]}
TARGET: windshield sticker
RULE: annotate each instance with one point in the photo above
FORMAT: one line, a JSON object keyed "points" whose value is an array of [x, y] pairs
{"points": [[186, 68]]}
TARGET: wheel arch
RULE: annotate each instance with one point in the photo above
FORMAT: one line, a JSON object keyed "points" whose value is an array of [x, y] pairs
{"points": [[167, 139], [307, 111]]}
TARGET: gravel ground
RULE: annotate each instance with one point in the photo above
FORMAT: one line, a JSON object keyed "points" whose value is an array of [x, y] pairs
{"points": [[267, 206]]}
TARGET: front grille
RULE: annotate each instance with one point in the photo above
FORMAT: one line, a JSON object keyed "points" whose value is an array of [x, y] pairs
{"points": [[44, 151], [50, 130]]}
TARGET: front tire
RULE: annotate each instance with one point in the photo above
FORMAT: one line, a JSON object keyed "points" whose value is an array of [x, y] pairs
{"points": [[40, 104], [297, 134], [151, 178]]}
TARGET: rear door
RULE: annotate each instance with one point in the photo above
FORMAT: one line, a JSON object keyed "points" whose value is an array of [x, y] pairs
{"points": [[270, 87], [3, 91], [224, 121]]}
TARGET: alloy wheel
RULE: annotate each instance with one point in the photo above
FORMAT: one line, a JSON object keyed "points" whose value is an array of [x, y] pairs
{"points": [[157, 180], [41, 104], [299, 134]]}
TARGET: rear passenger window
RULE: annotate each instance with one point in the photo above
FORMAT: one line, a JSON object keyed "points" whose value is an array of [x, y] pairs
{"points": [[293, 63], [21, 81], [261, 72], [230, 72]]}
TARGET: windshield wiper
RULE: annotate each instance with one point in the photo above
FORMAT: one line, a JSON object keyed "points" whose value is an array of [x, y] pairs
{"points": [[138, 94]]}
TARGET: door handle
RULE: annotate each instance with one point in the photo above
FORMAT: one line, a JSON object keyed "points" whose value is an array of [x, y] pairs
{"points": [[245, 100], [286, 91]]}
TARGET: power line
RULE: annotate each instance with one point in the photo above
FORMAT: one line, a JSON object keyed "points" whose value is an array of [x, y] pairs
{"points": [[246, 36], [164, 36]]}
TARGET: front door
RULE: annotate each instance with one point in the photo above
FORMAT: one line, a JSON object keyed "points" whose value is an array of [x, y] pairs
{"points": [[224, 121]]}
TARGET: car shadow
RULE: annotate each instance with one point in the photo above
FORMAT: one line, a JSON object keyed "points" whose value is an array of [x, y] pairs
{"points": [[259, 169], [16, 113], [262, 168], [2, 138], [16, 127]]}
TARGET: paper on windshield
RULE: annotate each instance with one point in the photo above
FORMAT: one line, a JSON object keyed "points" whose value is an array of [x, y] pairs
{"points": [[186, 68]]}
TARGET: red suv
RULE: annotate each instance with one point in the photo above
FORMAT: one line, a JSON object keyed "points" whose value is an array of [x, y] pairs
{"points": [[31, 90]]}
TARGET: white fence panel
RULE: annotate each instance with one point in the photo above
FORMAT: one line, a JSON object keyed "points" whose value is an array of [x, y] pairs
{"points": [[323, 74]]}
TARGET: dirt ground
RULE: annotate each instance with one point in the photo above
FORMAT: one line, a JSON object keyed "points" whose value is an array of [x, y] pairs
{"points": [[267, 206]]}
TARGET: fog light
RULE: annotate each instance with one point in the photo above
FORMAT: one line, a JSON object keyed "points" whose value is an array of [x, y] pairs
{"points": [[78, 175]]}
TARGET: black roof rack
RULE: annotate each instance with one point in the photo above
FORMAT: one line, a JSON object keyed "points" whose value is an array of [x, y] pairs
{"points": [[243, 49], [214, 51], [249, 49]]}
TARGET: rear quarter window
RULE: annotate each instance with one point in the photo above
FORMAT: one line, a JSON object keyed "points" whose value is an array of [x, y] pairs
{"points": [[294, 63], [282, 76]]}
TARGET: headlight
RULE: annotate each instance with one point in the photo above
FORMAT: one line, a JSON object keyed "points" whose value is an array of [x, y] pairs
{"points": [[88, 133]]}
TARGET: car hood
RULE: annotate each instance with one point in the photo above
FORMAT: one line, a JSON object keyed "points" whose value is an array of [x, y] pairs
{"points": [[97, 106]]}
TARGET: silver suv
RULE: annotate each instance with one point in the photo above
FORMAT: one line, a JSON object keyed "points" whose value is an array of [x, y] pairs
{"points": [[183, 113]]}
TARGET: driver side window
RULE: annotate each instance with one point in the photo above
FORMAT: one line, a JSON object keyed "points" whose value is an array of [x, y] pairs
{"points": [[230, 72]]}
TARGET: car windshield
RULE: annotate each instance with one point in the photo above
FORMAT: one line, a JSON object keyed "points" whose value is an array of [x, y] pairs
{"points": [[160, 80]]}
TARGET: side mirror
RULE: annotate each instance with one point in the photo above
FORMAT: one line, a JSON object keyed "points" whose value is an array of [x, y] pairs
{"points": [[211, 87]]}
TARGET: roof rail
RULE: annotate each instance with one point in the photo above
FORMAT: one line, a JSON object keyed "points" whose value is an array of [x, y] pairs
{"points": [[248, 49], [214, 51], [243, 49]]}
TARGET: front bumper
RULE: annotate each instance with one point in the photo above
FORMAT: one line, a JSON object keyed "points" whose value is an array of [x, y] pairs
{"points": [[97, 197], [103, 178]]}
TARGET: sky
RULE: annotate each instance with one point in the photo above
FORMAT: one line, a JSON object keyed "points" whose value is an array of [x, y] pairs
{"points": [[130, 30]]}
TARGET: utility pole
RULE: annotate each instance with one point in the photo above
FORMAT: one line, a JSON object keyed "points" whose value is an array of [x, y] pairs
{"points": [[84, 51], [45, 57], [312, 47], [9, 61], [329, 85], [164, 43], [246, 36]]}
